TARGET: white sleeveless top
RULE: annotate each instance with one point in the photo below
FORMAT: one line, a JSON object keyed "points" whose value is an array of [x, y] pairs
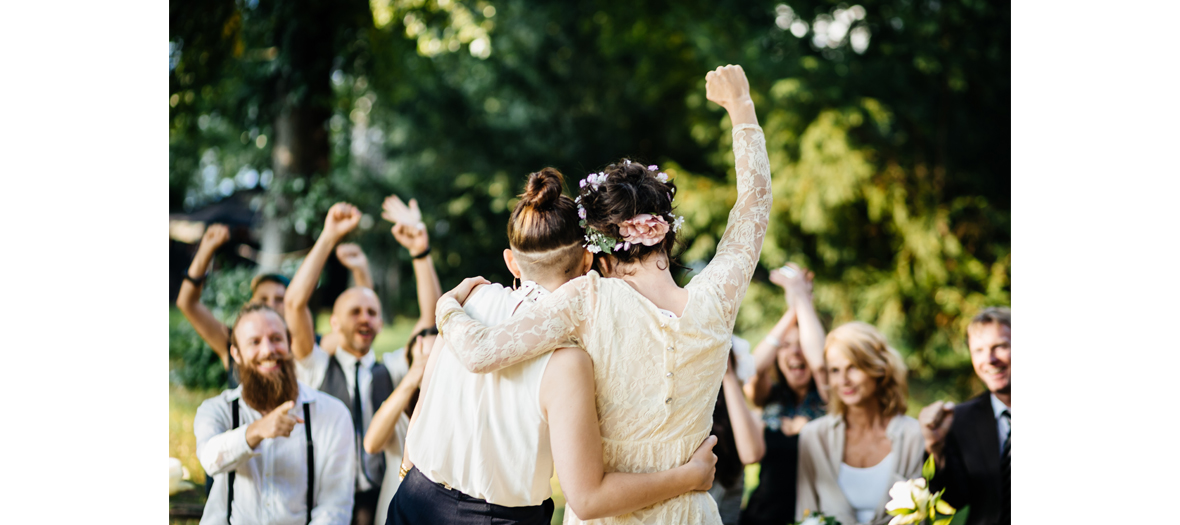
{"points": [[865, 487], [484, 434]]}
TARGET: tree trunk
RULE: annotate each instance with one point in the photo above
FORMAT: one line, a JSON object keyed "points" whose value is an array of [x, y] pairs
{"points": [[300, 151]]}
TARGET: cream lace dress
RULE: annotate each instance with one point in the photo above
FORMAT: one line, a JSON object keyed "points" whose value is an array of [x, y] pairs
{"points": [[656, 376]]}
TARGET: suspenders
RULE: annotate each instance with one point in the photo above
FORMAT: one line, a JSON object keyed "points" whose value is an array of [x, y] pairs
{"points": [[229, 502]]}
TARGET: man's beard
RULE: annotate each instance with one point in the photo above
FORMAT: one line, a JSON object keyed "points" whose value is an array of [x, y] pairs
{"points": [[264, 392]]}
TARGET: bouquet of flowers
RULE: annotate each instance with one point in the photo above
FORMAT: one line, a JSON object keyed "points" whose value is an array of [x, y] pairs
{"points": [[913, 503]]}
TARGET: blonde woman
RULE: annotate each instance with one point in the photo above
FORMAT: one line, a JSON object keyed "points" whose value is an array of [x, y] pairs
{"points": [[850, 458]]}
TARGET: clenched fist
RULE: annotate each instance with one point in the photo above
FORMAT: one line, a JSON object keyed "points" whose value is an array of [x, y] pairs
{"points": [[727, 86], [275, 424], [351, 256], [342, 218], [214, 237]]}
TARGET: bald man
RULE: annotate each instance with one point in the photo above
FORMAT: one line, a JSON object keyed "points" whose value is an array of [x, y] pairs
{"points": [[350, 372]]}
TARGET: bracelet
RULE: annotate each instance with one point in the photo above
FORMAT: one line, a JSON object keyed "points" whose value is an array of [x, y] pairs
{"points": [[423, 254], [401, 472], [195, 280]]}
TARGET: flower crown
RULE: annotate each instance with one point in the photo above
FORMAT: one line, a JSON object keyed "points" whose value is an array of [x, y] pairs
{"points": [[646, 229]]}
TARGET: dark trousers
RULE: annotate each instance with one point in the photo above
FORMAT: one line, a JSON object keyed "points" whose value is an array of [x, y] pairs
{"points": [[364, 507], [419, 500]]}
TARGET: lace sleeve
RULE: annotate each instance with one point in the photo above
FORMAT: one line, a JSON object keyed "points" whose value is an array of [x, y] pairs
{"points": [[551, 323], [737, 254]]}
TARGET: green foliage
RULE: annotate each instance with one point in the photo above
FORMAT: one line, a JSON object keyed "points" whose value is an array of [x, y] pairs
{"points": [[194, 364], [891, 166]]}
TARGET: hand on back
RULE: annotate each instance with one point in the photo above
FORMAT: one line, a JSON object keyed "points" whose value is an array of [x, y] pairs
{"points": [[727, 86], [342, 219], [704, 463], [463, 291]]}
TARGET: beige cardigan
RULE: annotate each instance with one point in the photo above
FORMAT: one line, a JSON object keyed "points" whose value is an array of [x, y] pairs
{"points": [[821, 451]]}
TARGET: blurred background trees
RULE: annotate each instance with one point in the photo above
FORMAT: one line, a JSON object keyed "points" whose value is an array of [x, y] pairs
{"points": [[887, 124]]}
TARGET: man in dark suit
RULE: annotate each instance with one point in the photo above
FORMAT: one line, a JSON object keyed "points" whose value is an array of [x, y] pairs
{"points": [[972, 442]]}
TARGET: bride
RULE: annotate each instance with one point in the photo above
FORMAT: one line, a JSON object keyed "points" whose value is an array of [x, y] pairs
{"points": [[658, 351]]}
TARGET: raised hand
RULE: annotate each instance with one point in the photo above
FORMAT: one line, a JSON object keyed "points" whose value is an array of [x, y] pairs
{"points": [[936, 419], [275, 424], [342, 218], [351, 256], [704, 461], [214, 237], [395, 211], [727, 86], [461, 292], [412, 237], [796, 284]]}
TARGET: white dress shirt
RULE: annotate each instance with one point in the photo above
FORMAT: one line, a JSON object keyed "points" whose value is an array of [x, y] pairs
{"points": [[313, 369], [1003, 425], [271, 480]]}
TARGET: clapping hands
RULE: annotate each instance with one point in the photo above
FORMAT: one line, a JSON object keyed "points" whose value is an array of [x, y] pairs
{"points": [[408, 228]]}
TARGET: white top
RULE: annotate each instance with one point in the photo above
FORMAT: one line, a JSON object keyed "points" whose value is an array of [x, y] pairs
{"points": [[1003, 424], [485, 434], [864, 487], [398, 368], [271, 481], [312, 370]]}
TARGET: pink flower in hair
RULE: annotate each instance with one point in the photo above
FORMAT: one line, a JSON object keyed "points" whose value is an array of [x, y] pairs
{"points": [[645, 229]]}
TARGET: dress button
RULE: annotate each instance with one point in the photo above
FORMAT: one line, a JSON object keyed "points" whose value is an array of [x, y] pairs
{"points": [[666, 401], [671, 349], [669, 374]]}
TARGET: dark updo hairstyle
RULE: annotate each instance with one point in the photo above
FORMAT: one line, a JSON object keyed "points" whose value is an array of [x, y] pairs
{"points": [[544, 219], [630, 189], [543, 230]]}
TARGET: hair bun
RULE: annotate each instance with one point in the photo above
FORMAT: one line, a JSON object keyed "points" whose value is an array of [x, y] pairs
{"points": [[543, 189]]}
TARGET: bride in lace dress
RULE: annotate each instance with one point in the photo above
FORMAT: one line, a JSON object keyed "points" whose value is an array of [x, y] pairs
{"points": [[659, 351]]}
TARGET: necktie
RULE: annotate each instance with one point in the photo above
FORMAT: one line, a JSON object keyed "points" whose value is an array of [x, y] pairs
{"points": [[1006, 469]]}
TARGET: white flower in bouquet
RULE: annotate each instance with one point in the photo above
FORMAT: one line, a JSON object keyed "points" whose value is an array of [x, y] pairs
{"points": [[911, 501]]}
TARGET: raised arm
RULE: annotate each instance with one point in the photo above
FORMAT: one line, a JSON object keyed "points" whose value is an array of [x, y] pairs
{"points": [[740, 246], [757, 388], [352, 257], [553, 322], [747, 430], [214, 332], [385, 419], [342, 218], [811, 330], [567, 393], [410, 232]]}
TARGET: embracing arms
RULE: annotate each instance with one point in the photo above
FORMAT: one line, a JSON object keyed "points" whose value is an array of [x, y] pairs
{"points": [[567, 394]]}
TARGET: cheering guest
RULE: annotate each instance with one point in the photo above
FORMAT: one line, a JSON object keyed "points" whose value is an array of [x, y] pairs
{"points": [[268, 289], [278, 451], [850, 458], [352, 373], [790, 386], [971, 442]]}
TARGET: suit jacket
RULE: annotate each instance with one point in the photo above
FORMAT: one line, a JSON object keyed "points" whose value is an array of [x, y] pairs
{"points": [[821, 451], [972, 474]]}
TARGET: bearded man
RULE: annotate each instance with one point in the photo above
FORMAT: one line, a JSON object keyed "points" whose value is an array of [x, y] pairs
{"points": [[278, 451]]}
